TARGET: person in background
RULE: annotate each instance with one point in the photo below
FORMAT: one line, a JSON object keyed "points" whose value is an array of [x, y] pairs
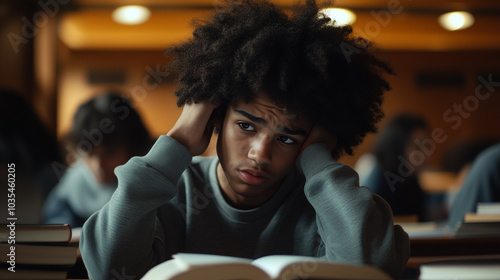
{"points": [[29, 150], [457, 159], [287, 93], [394, 175], [481, 184], [106, 132]]}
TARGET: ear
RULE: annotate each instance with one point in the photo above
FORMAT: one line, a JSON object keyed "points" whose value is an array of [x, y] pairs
{"points": [[214, 122], [217, 119]]}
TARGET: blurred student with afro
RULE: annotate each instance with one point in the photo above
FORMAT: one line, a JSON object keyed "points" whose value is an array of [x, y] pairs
{"points": [[287, 95], [106, 132]]}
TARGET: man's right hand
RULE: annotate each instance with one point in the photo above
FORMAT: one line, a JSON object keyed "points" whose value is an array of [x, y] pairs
{"points": [[194, 127]]}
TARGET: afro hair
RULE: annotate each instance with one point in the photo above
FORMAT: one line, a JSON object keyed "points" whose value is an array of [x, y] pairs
{"points": [[299, 58]]}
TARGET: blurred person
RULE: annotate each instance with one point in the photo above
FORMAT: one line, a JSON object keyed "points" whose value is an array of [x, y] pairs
{"points": [[457, 160], [27, 147], [481, 184], [106, 132], [461, 153], [394, 174]]}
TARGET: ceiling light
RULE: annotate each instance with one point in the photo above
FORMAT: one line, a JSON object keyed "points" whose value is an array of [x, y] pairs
{"points": [[456, 20], [131, 14], [339, 16]]}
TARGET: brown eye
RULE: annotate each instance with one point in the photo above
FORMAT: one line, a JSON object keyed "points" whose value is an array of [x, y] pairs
{"points": [[246, 126]]}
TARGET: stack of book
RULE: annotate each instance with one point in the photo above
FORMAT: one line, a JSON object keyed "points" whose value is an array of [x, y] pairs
{"points": [[485, 222], [478, 268], [36, 251]]}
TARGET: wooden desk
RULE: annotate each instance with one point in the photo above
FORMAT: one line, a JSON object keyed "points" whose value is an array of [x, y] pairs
{"points": [[450, 246], [438, 181], [425, 250]]}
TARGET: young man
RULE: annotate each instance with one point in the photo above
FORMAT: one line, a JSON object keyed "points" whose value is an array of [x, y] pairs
{"points": [[287, 96]]}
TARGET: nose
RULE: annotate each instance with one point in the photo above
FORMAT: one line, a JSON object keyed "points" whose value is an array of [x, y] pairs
{"points": [[261, 149]]}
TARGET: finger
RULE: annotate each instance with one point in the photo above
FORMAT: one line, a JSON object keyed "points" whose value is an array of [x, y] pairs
{"points": [[320, 135]]}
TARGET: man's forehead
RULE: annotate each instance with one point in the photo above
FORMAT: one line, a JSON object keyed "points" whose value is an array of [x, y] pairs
{"points": [[264, 102]]}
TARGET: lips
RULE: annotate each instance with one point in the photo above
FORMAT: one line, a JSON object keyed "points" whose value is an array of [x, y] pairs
{"points": [[253, 177]]}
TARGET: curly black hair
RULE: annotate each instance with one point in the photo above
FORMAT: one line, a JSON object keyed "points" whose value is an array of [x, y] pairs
{"points": [[300, 59]]}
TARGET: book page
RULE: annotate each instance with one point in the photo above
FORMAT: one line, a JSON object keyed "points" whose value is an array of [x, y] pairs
{"points": [[488, 208], [274, 265], [303, 267], [217, 267], [165, 270], [187, 266], [480, 269], [193, 260]]}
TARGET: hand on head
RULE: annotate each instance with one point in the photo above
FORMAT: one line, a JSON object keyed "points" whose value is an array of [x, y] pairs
{"points": [[194, 127], [320, 135]]}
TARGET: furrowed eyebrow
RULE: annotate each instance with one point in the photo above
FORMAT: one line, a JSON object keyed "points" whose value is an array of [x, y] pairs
{"points": [[294, 131], [258, 120], [251, 117]]}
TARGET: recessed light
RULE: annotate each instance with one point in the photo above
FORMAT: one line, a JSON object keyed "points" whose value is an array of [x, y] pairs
{"points": [[131, 15], [456, 20]]}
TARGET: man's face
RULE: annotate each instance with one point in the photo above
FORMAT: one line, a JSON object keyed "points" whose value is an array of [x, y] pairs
{"points": [[257, 146], [103, 160]]}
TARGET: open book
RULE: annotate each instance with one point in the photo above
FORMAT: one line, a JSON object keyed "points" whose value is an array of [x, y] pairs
{"points": [[188, 266]]}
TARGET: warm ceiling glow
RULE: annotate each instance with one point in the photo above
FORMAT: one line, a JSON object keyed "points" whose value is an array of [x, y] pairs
{"points": [[340, 16], [456, 20], [131, 15]]}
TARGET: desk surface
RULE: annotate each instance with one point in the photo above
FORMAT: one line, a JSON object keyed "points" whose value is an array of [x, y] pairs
{"points": [[450, 246], [424, 250]]}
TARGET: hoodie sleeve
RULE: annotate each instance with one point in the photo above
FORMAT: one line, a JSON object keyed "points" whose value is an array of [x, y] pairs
{"points": [[122, 239], [354, 224]]}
